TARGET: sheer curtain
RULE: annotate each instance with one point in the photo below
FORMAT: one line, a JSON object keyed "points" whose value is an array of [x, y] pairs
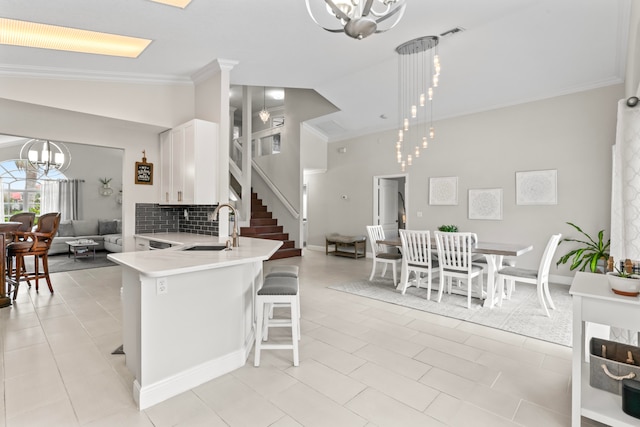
{"points": [[61, 196], [49, 197]]}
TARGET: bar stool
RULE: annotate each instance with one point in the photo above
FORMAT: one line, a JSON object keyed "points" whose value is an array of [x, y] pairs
{"points": [[283, 271], [282, 291]]}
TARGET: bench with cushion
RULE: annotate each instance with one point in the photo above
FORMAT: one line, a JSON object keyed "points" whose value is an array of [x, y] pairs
{"points": [[350, 246]]}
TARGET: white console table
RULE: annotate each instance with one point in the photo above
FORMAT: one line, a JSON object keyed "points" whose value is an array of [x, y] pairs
{"points": [[593, 301]]}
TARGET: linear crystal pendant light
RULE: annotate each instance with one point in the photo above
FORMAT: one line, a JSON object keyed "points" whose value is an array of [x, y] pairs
{"points": [[418, 75], [264, 114]]}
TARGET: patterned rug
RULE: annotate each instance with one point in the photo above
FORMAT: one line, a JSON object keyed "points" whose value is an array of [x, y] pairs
{"points": [[521, 314]]}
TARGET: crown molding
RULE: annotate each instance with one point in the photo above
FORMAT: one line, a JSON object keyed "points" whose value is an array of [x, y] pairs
{"points": [[9, 70], [213, 68]]}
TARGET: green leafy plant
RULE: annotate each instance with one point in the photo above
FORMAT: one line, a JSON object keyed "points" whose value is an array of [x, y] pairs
{"points": [[622, 273], [589, 254], [105, 181], [449, 228]]}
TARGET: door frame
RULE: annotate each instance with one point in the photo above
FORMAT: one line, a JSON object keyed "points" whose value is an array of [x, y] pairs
{"points": [[376, 180]]}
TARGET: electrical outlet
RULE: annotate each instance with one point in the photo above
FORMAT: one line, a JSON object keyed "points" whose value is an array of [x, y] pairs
{"points": [[211, 216], [162, 287]]}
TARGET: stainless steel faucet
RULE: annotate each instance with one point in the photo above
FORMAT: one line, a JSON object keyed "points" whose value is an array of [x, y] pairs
{"points": [[234, 233]]}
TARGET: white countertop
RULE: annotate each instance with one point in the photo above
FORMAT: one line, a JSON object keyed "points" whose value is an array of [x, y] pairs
{"points": [[172, 261]]}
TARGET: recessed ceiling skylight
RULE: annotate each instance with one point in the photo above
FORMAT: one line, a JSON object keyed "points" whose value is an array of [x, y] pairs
{"points": [[177, 3], [31, 34]]}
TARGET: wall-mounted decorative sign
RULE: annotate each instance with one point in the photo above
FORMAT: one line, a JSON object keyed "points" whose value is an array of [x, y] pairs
{"points": [[485, 203], [144, 171], [443, 190], [537, 187]]}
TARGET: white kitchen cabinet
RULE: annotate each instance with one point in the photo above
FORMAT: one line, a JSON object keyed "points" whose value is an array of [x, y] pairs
{"points": [[189, 164]]}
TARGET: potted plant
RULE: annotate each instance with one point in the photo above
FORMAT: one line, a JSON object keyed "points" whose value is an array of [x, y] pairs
{"points": [[592, 254], [448, 228], [623, 282]]}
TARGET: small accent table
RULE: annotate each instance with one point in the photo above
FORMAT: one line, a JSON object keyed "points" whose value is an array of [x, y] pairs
{"points": [[81, 248]]}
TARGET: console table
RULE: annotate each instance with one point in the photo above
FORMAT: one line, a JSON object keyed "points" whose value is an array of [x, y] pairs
{"points": [[594, 301]]}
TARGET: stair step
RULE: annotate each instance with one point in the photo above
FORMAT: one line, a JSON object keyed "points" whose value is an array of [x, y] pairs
{"points": [[261, 229], [256, 202], [272, 236], [261, 215], [260, 208], [254, 222], [286, 253], [288, 244]]}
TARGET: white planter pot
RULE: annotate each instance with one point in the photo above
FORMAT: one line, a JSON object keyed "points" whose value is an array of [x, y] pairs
{"points": [[628, 286]]}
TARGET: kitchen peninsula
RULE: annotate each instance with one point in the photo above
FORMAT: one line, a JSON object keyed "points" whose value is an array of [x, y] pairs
{"points": [[188, 315]]}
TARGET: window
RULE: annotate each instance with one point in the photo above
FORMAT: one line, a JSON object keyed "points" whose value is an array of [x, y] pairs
{"points": [[21, 187]]}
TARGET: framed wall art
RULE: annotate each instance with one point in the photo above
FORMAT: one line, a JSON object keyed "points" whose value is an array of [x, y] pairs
{"points": [[485, 203], [443, 190], [537, 187]]}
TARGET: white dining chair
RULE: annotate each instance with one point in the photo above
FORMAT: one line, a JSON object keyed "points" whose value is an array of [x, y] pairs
{"points": [[380, 253], [416, 258], [539, 277], [455, 256]]}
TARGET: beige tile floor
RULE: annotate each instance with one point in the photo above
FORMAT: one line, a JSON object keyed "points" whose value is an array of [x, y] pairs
{"points": [[362, 363]]}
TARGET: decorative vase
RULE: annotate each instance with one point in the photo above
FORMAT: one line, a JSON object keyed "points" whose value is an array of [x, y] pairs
{"points": [[627, 286]]}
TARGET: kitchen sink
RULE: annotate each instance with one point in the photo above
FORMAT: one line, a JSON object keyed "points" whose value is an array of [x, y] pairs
{"points": [[205, 248]]}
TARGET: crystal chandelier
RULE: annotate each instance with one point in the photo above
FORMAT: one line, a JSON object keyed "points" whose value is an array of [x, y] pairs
{"points": [[356, 18], [45, 155], [264, 114], [419, 71]]}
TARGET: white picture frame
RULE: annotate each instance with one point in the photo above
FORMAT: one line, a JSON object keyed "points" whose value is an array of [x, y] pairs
{"points": [[485, 203], [537, 187], [443, 191]]}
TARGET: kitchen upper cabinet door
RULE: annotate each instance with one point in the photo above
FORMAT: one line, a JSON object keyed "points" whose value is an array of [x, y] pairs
{"points": [[165, 167], [189, 163]]}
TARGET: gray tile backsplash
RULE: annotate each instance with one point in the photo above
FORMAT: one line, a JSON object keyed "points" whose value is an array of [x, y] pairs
{"points": [[155, 218]]}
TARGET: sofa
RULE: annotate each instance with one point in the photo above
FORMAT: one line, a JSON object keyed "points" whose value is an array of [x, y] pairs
{"points": [[107, 233]]}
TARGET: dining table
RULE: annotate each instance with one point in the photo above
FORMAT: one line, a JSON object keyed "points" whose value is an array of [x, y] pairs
{"points": [[6, 229], [493, 252]]}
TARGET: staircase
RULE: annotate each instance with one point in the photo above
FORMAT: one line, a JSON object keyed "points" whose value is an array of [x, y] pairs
{"points": [[263, 226]]}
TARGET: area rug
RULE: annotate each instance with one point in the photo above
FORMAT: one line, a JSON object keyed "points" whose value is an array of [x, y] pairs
{"points": [[61, 262], [521, 314]]}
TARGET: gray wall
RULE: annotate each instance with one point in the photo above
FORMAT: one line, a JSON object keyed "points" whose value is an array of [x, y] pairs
{"points": [[572, 134], [89, 163]]}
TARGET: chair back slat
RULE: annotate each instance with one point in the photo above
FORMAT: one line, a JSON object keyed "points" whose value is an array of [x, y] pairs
{"points": [[416, 247], [455, 250], [375, 233]]}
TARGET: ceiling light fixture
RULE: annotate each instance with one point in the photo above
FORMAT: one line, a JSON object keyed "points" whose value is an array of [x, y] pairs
{"points": [[44, 36], [356, 18], [264, 114], [44, 156], [176, 3], [418, 72]]}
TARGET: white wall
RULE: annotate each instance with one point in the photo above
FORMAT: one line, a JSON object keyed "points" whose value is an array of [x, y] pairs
{"points": [[572, 134], [162, 104]]}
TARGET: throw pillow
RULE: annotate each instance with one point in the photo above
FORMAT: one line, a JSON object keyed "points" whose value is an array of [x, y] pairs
{"points": [[65, 229], [107, 227]]}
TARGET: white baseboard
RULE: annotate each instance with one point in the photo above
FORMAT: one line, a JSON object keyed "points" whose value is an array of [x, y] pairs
{"points": [[160, 391]]}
